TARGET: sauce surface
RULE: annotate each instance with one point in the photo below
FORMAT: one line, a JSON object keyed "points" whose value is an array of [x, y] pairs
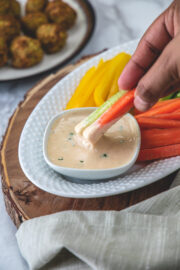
{"points": [[114, 149]]}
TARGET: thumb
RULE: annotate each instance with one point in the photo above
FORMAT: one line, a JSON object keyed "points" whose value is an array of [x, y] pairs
{"points": [[161, 79]]}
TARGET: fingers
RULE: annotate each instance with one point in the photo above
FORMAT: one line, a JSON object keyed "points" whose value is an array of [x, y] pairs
{"points": [[161, 79], [150, 47]]}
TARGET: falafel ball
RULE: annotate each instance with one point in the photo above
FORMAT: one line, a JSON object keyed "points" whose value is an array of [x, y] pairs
{"points": [[4, 7], [52, 38], [9, 27], [3, 52], [32, 21], [15, 8], [61, 13], [35, 5], [26, 52]]}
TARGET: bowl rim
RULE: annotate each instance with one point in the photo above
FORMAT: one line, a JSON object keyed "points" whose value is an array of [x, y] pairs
{"points": [[68, 169]]}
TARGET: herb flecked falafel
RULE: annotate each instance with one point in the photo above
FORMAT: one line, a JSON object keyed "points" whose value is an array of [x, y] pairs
{"points": [[26, 52], [61, 13], [52, 38], [32, 21], [9, 27]]}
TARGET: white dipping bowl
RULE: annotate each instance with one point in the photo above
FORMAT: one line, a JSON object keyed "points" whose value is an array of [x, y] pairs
{"points": [[86, 174]]}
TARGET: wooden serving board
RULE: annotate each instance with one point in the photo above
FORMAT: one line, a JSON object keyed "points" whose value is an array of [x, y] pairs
{"points": [[23, 199]]}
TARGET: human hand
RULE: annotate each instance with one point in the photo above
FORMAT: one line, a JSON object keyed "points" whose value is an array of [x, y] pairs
{"points": [[154, 68]]}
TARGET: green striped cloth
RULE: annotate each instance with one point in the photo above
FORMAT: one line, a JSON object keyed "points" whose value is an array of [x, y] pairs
{"points": [[143, 237]]}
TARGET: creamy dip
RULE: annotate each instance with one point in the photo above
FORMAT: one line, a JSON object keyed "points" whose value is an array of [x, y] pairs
{"points": [[114, 149]]}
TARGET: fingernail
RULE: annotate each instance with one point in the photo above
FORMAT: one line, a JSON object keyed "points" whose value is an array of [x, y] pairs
{"points": [[140, 104]]}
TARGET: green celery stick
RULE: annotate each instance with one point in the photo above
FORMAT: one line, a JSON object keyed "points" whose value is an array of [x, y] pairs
{"points": [[167, 97], [97, 113]]}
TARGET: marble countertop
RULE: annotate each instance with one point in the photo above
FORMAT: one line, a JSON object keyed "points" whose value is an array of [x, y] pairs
{"points": [[118, 21]]}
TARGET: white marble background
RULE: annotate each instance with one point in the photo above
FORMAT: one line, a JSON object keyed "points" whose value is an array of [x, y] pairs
{"points": [[118, 21]]}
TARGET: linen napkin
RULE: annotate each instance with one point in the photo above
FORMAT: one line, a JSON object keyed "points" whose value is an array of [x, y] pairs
{"points": [[145, 236]]}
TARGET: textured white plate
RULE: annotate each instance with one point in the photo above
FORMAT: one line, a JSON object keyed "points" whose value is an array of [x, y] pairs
{"points": [[31, 145], [75, 39]]}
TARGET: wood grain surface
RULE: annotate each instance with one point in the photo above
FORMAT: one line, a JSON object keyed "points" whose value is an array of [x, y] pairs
{"points": [[23, 199]]}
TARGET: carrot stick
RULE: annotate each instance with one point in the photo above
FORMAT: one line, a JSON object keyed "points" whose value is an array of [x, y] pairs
{"points": [[157, 105], [172, 116], [167, 108], [151, 138], [159, 152], [118, 109], [150, 122], [94, 132], [162, 103], [177, 111]]}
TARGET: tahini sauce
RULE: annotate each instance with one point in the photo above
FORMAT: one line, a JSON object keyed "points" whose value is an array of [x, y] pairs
{"points": [[114, 149]]}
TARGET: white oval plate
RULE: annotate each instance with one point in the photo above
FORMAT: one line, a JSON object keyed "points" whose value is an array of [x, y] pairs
{"points": [[77, 38], [31, 145]]}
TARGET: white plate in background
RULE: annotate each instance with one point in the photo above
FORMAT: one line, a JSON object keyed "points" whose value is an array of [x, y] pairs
{"points": [[78, 37]]}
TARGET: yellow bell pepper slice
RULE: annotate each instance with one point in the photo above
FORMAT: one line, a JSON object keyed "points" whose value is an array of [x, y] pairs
{"points": [[123, 62], [82, 99], [99, 83], [90, 102], [114, 88], [85, 81], [102, 90], [82, 85], [88, 91]]}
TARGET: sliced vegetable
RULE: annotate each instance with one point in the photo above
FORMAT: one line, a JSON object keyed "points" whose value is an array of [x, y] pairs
{"points": [[169, 107], [114, 86], [157, 105], [86, 89], [124, 59], [150, 122], [90, 102], [162, 103], [97, 113], [167, 97], [99, 83], [103, 87], [159, 137], [118, 109], [95, 131], [178, 110], [80, 89], [159, 152], [172, 116]]}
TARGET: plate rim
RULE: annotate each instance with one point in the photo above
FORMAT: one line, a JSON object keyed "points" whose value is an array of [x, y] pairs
{"points": [[105, 194], [85, 41]]}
